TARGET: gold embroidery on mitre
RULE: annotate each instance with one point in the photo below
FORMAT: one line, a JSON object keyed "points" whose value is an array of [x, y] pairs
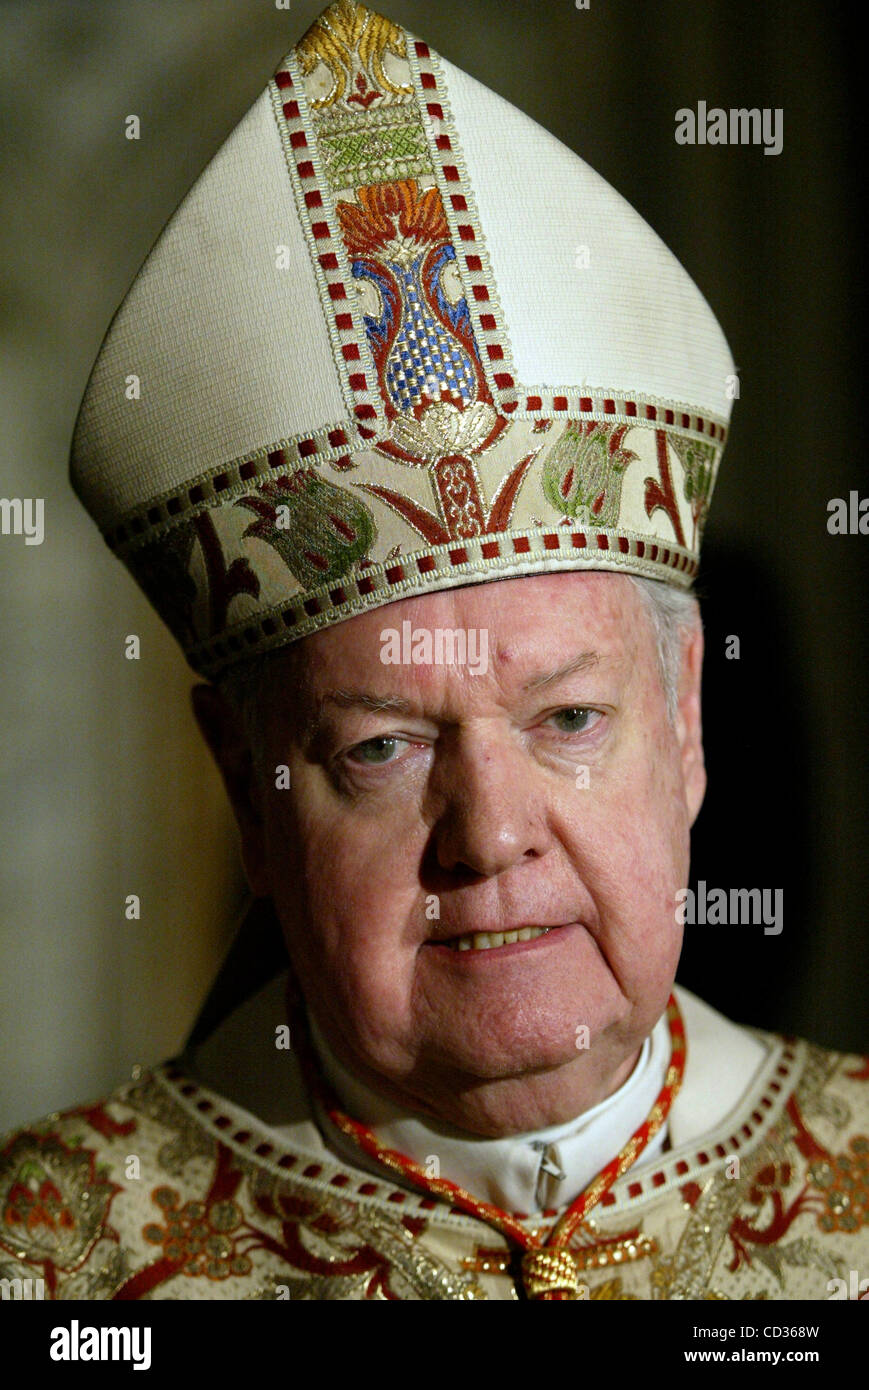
{"points": [[442, 428], [347, 38]]}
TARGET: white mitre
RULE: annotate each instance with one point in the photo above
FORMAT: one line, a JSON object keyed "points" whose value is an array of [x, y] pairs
{"points": [[397, 338]]}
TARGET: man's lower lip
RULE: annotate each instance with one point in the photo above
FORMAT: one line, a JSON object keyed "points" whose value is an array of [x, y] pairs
{"points": [[507, 949]]}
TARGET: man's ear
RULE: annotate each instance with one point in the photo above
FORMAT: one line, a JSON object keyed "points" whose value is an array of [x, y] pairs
{"points": [[689, 723], [224, 732]]}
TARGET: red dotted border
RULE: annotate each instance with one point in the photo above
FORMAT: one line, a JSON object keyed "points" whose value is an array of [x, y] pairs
{"points": [[366, 403], [601, 404], [210, 488], [259, 1147], [682, 1167], [407, 574], [320, 447], [482, 300]]}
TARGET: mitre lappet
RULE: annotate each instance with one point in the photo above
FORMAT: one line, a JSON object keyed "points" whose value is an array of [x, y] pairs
{"points": [[397, 338]]}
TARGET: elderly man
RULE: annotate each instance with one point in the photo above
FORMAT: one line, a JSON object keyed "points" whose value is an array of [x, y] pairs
{"points": [[409, 427]]}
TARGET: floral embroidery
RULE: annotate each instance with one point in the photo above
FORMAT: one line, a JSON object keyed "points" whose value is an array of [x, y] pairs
{"points": [[698, 459], [349, 39], [463, 512], [835, 1191], [319, 529], [420, 335], [54, 1201], [424, 362], [582, 473], [844, 1183], [215, 1219], [196, 1238]]}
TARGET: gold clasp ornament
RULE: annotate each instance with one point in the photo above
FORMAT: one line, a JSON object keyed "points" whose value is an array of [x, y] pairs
{"points": [[549, 1271]]}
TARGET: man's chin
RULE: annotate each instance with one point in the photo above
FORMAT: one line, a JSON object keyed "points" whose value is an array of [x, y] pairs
{"points": [[503, 1063], [512, 1098]]}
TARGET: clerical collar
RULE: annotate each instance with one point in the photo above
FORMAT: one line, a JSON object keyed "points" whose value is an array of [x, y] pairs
{"points": [[523, 1173]]}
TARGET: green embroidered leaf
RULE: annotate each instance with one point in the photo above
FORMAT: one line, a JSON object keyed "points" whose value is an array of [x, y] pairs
{"points": [[319, 530], [582, 474]]}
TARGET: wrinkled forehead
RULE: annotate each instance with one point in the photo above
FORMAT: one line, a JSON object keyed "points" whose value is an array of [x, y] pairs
{"points": [[515, 632]]}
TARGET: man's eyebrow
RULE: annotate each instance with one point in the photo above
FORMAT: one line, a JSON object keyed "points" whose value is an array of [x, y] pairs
{"points": [[570, 668], [350, 697], [347, 698]]}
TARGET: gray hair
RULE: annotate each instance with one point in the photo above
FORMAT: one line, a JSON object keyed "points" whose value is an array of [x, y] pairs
{"points": [[673, 613]]}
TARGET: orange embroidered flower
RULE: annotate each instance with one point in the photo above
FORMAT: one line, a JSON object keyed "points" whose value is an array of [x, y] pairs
{"points": [[53, 1200], [844, 1184], [389, 214], [198, 1236]]}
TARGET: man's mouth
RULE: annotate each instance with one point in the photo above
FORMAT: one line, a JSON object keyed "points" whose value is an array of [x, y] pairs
{"points": [[488, 941]]}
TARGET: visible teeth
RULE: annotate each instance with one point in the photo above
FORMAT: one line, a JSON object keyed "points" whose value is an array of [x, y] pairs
{"points": [[487, 941]]}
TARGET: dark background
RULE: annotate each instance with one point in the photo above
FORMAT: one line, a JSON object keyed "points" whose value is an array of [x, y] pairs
{"points": [[106, 788]]}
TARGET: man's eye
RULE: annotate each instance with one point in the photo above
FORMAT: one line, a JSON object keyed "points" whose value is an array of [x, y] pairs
{"points": [[376, 750], [574, 720]]}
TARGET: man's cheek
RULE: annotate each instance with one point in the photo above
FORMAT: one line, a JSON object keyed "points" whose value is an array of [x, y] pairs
{"points": [[636, 899], [359, 910]]}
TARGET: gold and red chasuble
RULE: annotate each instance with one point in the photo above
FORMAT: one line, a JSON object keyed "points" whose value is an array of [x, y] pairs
{"points": [[235, 1192], [549, 1269]]}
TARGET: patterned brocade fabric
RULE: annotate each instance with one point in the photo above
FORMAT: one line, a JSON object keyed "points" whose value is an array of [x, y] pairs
{"points": [[166, 1191]]}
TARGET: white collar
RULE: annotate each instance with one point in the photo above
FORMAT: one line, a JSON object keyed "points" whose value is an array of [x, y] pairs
{"points": [[523, 1173]]}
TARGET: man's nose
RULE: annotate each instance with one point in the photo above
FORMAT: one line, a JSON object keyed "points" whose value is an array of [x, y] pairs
{"points": [[493, 814]]}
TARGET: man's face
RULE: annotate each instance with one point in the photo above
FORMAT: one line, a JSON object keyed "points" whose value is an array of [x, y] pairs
{"points": [[429, 805]]}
